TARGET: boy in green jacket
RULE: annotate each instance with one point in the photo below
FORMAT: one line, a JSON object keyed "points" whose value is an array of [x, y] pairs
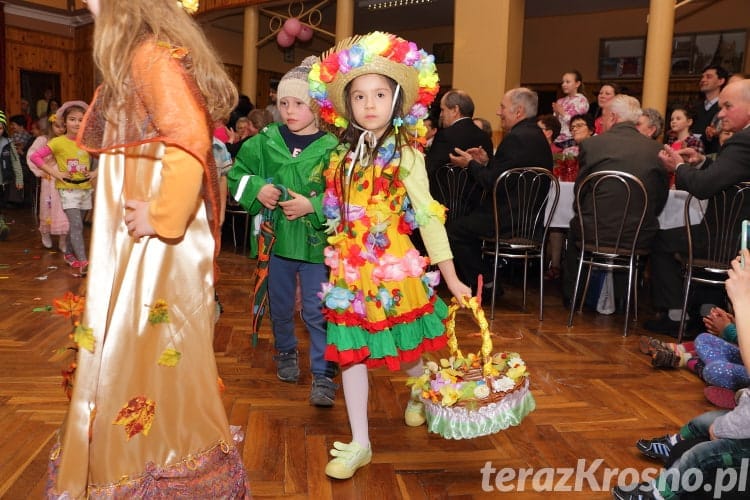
{"points": [[292, 156]]}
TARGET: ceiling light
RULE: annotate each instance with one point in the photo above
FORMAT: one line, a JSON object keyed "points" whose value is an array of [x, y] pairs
{"points": [[387, 4]]}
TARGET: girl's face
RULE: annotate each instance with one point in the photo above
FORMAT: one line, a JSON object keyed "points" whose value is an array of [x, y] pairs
{"points": [[679, 121], [73, 122], [297, 116], [58, 128], [606, 93], [569, 84], [371, 98], [93, 6], [243, 129]]}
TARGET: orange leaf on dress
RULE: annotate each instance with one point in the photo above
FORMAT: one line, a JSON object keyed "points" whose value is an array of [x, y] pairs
{"points": [[137, 416]]}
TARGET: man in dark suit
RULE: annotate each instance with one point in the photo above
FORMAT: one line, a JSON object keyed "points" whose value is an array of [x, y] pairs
{"points": [[713, 79], [457, 130], [623, 148], [524, 145], [732, 165]]}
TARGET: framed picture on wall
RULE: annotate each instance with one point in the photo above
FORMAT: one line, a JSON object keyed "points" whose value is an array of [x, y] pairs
{"points": [[727, 49], [621, 58], [691, 52]]}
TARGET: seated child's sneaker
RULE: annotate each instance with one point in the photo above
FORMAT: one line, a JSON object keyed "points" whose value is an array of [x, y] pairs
{"points": [[323, 391], [658, 448], [414, 414], [287, 367], [348, 458], [70, 259]]}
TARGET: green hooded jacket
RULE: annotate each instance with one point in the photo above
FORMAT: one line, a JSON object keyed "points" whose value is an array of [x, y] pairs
{"points": [[265, 159]]}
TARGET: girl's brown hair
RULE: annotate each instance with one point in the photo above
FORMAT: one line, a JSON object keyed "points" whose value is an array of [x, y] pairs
{"points": [[123, 24]]}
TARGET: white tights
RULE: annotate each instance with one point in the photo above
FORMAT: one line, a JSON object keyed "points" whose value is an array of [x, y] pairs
{"points": [[356, 393]]}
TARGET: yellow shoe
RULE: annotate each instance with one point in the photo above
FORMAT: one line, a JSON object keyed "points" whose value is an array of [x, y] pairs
{"points": [[414, 414], [349, 458]]}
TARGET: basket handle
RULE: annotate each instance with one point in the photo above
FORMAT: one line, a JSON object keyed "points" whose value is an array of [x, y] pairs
{"points": [[484, 329]]}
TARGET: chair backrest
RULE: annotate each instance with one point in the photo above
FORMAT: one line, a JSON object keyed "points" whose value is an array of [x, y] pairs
{"points": [[455, 189], [720, 225], [614, 205], [520, 197]]}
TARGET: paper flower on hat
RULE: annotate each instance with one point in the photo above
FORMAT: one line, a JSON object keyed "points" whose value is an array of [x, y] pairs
{"points": [[380, 53], [190, 6]]}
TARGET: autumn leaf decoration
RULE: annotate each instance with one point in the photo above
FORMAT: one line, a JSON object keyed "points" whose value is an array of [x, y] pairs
{"points": [[159, 313], [69, 305], [72, 306], [137, 416], [84, 336]]}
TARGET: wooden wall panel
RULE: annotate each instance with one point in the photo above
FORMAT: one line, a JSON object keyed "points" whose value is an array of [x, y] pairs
{"points": [[70, 57]]}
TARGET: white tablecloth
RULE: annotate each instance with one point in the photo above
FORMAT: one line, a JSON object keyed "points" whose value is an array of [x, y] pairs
{"points": [[672, 216]]}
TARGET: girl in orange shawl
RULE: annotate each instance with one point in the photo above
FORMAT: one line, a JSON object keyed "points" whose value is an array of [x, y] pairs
{"points": [[146, 418]]}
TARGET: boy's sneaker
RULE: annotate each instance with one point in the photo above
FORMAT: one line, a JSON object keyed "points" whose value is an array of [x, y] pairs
{"points": [[70, 259], [323, 391], [348, 458], [640, 491], [658, 448], [287, 367]]}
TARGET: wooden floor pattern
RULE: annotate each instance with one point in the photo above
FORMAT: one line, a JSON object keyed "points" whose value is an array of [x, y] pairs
{"points": [[595, 394]]}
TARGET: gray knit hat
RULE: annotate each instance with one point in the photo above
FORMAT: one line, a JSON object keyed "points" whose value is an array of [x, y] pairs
{"points": [[294, 82]]}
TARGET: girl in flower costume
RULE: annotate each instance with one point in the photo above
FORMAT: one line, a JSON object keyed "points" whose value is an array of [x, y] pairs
{"points": [[380, 303], [146, 418]]}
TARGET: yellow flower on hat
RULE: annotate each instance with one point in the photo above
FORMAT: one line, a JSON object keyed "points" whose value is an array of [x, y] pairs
{"points": [[375, 44], [190, 6]]}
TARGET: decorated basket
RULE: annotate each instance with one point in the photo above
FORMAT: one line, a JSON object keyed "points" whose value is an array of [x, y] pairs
{"points": [[475, 395]]}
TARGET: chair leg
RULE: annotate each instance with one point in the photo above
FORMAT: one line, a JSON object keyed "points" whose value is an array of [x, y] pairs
{"points": [[688, 279], [541, 285], [575, 291], [525, 274], [627, 300], [494, 284], [636, 284], [246, 235], [589, 270], [234, 233]]}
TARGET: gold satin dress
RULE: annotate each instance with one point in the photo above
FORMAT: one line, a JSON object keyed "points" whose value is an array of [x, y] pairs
{"points": [[122, 387]]}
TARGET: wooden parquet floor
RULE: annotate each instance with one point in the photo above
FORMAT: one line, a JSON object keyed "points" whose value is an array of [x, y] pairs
{"points": [[595, 394]]}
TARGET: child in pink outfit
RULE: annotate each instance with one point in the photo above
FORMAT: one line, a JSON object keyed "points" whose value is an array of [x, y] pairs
{"points": [[52, 218]]}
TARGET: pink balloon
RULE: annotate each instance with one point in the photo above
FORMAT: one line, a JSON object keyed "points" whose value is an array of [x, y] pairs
{"points": [[305, 33], [284, 39], [292, 26]]}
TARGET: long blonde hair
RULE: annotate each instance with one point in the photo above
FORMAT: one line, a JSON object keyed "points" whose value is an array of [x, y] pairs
{"points": [[123, 24]]}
